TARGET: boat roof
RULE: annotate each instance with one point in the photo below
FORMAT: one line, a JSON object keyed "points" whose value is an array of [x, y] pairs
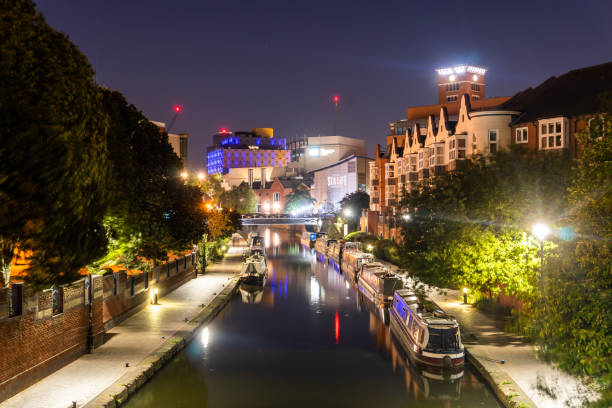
{"points": [[429, 312]]}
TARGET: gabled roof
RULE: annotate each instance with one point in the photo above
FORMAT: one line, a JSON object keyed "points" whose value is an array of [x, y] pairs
{"points": [[257, 185], [573, 93]]}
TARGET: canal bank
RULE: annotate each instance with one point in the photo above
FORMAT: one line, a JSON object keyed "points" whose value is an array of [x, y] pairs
{"points": [[139, 346]]}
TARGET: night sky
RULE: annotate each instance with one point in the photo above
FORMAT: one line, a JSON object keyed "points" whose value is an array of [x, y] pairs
{"points": [[258, 63]]}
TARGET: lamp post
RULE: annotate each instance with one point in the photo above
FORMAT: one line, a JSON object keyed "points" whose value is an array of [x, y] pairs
{"points": [[200, 178], [541, 231]]}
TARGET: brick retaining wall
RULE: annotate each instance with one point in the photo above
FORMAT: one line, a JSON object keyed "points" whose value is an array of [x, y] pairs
{"points": [[41, 340]]}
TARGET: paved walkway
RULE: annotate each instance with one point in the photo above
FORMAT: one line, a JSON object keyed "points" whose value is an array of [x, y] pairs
{"points": [[130, 342], [483, 334]]}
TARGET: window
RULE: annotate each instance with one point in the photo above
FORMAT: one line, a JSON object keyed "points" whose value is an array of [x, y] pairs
{"points": [[461, 148], [521, 135], [276, 197], [451, 98], [475, 87], [58, 300], [250, 177], [432, 157], [15, 299], [454, 87], [413, 163], [492, 141], [551, 136], [421, 157], [352, 166], [475, 97]]}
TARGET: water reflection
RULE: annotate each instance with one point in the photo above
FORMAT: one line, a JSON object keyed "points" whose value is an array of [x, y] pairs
{"points": [[307, 339]]}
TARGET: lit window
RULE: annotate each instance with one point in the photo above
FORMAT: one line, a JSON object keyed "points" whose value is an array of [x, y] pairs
{"points": [[451, 98], [276, 197]]}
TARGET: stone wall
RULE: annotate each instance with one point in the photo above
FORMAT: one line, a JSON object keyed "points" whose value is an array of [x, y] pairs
{"points": [[49, 334]]}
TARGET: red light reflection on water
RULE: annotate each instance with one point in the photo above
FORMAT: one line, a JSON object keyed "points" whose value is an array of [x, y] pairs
{"points": [[337, 326]]}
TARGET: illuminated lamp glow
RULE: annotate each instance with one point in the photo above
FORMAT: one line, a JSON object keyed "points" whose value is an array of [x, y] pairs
{"points": [[223, 130], [541, 231], [459, 69], [445, 71], [475, 77], [476, 70], [178, 108], [452, 78], [336, 98]]}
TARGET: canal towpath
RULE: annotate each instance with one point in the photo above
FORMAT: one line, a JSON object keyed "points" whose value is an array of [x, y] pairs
{"points": [[509, 361], [139, 339]]}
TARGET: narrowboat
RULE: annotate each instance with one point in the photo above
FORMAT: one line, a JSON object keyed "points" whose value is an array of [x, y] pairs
{"points": [[431, 336], [254, 271], [322, 244], [378, 283], [337, 249], [256, 244], [308, 238], [352, 262]]}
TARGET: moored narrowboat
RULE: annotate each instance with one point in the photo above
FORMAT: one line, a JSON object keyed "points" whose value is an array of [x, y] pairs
{"points": [[425, 331], [322, 244], [378, 283], [308, 238], [352, 261]]}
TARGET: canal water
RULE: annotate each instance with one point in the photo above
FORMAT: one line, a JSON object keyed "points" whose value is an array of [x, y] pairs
{"points": [[308, 339]]}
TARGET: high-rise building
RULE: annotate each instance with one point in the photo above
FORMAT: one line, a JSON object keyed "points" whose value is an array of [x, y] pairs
{"points": [[247, 156]]}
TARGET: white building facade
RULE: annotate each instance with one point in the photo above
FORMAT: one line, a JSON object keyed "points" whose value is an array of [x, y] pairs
{"points": [[333, 182]]}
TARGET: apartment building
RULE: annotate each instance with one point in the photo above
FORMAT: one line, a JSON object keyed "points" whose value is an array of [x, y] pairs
{"points": [[547, 117]]}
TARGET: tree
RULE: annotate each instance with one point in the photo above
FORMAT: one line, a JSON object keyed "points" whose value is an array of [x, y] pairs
{"points": [[468, 227], [186, 217], [143, 166], [351, 206], [53, 154], [239, 198], [213, 188], [572, 318], [299, 199]]}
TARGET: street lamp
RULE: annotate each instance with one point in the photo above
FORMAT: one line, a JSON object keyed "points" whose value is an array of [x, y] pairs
{"points": [[406, 217], [541, 231], [347, 212], [184, 175]]}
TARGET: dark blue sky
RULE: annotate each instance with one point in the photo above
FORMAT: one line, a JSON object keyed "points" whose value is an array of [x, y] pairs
{"points": [[258, 63]]}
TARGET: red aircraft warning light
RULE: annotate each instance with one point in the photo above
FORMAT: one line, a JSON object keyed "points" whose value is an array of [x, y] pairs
{"points": [[336, 99], [223, 130], [178, 108]]}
